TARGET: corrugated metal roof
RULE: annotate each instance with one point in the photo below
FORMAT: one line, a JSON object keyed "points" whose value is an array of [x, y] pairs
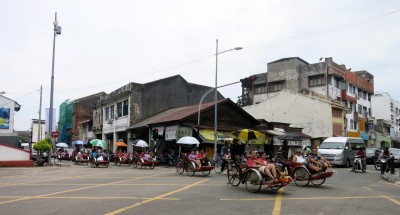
{"points": [[174, 114]]}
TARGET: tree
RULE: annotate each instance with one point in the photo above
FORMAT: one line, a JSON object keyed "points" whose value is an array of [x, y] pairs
{"points": [[43, 146]]}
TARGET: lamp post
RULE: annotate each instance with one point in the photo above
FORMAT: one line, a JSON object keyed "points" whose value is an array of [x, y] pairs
{"points": [[57, 31], [216, 95]]}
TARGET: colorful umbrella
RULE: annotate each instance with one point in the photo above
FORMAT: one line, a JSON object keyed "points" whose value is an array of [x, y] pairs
{"points": [[120, 144], [140, 143], [99, 143], [247, 134]]}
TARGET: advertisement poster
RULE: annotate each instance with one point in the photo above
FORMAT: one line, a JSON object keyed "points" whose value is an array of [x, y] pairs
{"points": [[4, 118]]}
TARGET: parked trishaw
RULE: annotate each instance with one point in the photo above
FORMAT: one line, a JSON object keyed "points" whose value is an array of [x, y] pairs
{"points": [[99, 161], [64, 156], [81, 159], [123, 159]]}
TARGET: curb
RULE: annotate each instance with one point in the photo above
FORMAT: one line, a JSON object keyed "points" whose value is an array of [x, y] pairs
{"points": [[392, 178]]}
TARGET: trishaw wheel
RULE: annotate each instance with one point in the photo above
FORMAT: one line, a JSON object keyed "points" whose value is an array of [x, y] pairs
{"points": [[106, 165], [134, 164], [179, 167], [191, 168], [253, 181], [93, 164], [152, 166], [233, 176], [207, 172], [301, 176], [319, 181], [139, 164], [218, 166]]}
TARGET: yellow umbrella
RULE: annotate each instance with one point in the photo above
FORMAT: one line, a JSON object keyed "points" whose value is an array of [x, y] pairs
{"points": [[247, 134]]}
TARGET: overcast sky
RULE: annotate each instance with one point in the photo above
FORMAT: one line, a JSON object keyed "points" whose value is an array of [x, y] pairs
{"points": [[107, 44]]}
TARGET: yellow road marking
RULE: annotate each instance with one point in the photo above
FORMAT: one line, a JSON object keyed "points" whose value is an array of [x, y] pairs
{"points": [[83, 188], [278, 203], [82, 197], [392, 200], [155, 198], [307, 198]]}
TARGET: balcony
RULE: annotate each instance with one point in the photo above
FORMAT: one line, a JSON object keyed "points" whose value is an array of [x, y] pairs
{"points": [[346, 97]]}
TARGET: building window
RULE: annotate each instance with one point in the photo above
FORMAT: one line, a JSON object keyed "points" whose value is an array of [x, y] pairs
{"points": [[107, 113], [351, 124], [260, 88], [316, 80], [337, 129], [360, 109], [276, 86], [125, 108], [336, 113], [112, 112], [119, 109]]}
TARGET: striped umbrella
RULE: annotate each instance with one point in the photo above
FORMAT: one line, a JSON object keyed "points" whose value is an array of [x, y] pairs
{"points": [[247, 134]]}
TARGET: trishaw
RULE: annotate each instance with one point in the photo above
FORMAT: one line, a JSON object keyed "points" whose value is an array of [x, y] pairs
{"points": [[302, 176], [119, 160], [98, 162], [240, 172], [64, 157], [142, 162], [184, 164], [84, 159]]}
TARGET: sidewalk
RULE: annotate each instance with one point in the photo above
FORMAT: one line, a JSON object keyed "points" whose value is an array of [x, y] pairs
{"points": [[393, 178]]}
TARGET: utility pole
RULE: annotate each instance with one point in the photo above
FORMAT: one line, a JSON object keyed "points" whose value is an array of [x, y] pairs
{"points": [[40, 116]]}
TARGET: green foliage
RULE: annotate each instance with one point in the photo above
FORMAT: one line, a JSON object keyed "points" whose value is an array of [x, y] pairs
{"points": [[43, 145]]}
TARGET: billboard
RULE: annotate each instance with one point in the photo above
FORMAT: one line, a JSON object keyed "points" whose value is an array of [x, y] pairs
{"points": [[4, 118]]}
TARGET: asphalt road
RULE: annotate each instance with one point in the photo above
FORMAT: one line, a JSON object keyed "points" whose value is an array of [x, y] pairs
{"points": [[124, 190]]}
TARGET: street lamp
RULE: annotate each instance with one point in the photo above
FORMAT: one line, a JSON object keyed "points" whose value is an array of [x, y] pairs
{"points": [[216, 95], [57, 31]]}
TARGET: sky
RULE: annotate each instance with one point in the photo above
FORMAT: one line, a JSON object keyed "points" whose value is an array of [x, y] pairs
{"points": [[107, 44]]}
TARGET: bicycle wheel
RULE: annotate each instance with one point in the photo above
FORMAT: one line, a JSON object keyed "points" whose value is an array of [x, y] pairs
{"points": [[179, 166], [301, 177], [253, 181], [234, 176], [218, 166]]}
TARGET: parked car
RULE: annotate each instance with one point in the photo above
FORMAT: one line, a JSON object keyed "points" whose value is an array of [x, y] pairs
{"points": [[372, 154], [396, 153], [35, 155]]}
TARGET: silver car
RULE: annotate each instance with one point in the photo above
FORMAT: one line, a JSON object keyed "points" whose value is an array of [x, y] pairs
{"points": [[396, 153]]}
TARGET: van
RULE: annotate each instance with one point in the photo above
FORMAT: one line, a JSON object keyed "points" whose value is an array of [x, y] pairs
{"points": [[25, 146], [340, 150]]}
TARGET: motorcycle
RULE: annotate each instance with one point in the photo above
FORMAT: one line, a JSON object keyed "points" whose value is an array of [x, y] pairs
{"points": [[358, 165], [383, 164], [166, 159]]}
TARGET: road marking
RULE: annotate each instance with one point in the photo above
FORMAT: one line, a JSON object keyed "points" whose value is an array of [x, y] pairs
{"points": [[278, 203], [367, 188], [83, 188], [392, 200], [307, 198], [155, 198], [84, 197]]}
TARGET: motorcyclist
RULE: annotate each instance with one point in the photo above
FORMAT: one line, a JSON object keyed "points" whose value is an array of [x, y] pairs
{"points": [[361, 154], [390, 159]]}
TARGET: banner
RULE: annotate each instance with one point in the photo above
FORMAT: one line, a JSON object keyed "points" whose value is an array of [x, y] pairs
{"points": [[4, 118], [47, 120]]}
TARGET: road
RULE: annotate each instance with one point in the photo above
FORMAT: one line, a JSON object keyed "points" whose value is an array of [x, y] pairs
{"points": [[124, 190]]}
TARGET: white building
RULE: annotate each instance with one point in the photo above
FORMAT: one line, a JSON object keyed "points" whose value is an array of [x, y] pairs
{"points": [[386, 108], [312, 114], [8, 108]]}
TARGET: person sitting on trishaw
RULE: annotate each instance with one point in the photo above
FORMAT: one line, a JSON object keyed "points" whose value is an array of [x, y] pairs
{"points": [[311, 164], [202, 156], [193, 157], [324, 162], [262, 165]]}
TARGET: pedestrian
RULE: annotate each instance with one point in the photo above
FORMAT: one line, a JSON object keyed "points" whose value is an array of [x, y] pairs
{"points": [[235, 151], [225, 155]]}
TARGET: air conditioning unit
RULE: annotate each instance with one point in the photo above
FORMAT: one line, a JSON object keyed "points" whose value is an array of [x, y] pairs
{"points": [[110, 121]]}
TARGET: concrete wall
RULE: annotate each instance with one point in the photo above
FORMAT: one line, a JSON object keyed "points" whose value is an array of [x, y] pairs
{"points": [[314, 115]]}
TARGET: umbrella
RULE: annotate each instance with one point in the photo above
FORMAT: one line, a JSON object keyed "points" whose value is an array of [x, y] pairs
{"points": [[98, 143], [79, 142], [140, 143], [290, 137], [120, 144], [64, 145], [188, 140], [247, 134]]}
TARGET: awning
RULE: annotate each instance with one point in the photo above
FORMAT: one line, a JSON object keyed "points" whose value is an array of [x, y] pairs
{"points": [[275, 133]]}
